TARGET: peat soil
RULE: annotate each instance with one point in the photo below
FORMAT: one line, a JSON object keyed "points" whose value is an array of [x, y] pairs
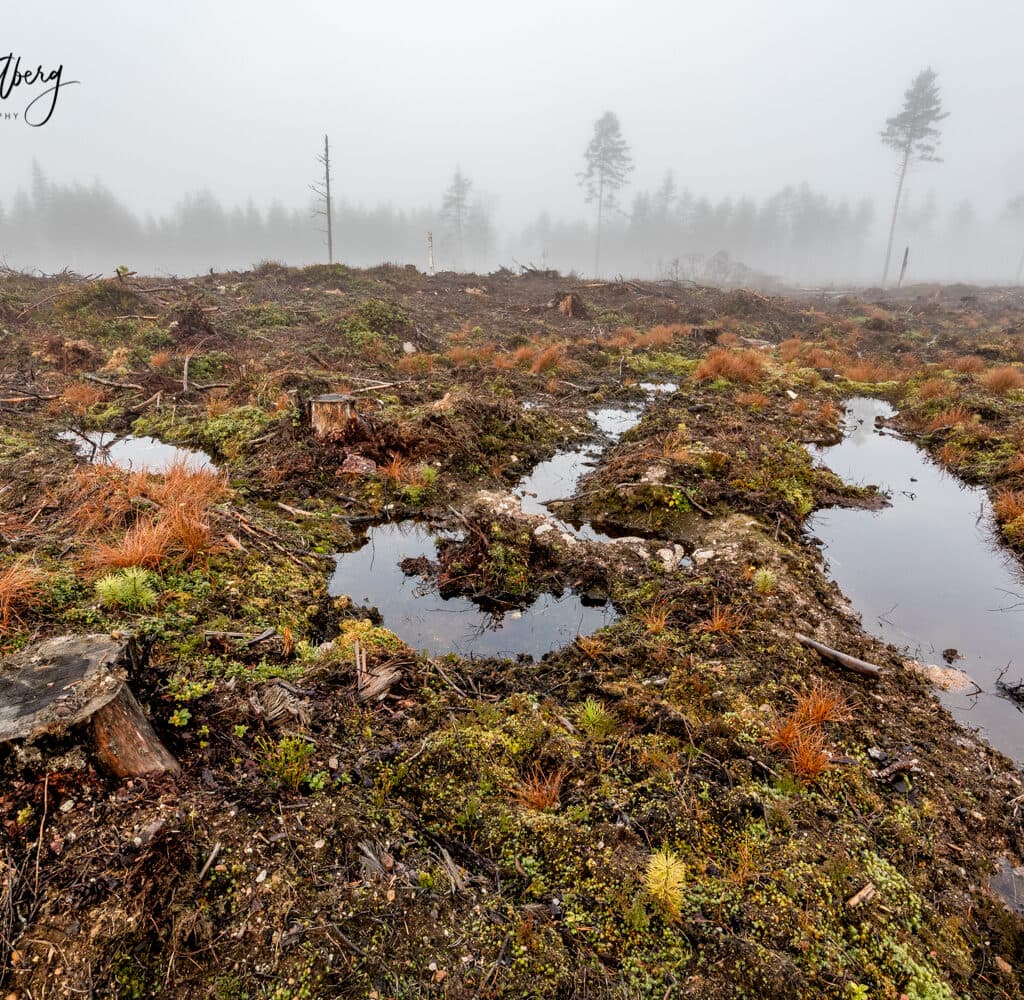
{"points": [[688, 802]]}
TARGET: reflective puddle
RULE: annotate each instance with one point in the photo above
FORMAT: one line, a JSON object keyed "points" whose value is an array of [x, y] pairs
{"points": [[412, 607], [130, 452], [926, 572]]}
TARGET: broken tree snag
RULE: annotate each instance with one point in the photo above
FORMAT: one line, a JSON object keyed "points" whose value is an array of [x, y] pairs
{"points": [[125, 742], [843, 659], [68, 680], [331, 412], [572, 306]]}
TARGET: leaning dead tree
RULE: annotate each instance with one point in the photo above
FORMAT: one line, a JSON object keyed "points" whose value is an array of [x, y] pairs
{"points": [[323, 192], [76, 680]]}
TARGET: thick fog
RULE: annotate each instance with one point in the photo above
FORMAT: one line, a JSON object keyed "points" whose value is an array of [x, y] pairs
{"points": [[190, 139]]}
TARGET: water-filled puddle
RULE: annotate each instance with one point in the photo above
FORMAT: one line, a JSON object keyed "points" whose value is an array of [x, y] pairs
{"points": [[130, 452], [413, 608], [926, 573], [423, 619], [559, 476]]}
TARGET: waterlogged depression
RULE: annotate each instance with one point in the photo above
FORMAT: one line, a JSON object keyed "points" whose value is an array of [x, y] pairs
{"points": [[415, 610], [925, 573]]}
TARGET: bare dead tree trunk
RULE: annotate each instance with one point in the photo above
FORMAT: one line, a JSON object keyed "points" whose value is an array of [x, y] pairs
{"points": [[597, 241], [895, 213], [327, 198], [325, 194]]}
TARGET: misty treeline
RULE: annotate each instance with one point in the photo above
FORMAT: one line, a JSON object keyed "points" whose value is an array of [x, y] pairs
{"points": [[796, 235]]}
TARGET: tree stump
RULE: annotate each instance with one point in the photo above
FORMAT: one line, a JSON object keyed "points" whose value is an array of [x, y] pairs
{"points": [[68, 680]]}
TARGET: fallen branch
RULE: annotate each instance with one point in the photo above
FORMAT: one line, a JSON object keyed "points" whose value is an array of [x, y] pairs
{"points": [[858, 666], [111, 383]]}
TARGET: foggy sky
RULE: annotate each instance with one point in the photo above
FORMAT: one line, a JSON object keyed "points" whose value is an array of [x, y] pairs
{"points": [[736, 97]]}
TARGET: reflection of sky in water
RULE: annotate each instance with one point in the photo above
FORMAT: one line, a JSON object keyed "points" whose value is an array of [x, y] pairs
{"points": [[134, 452], [424, 620], [925, 572]]}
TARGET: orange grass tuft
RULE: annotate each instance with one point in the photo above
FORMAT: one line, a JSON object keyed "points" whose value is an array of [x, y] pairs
{"points": [[1009, 505], [19, 591], [146, 543], [933, 388], [723, 621], [548, 360], [952, 416], [755, 400], [1002, 380], [540, 790], [736, 366], [820, 705], [968, 364]]}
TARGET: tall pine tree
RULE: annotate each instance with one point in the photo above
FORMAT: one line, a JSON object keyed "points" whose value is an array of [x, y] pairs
{"points": [[912, 133], [608, 163]]}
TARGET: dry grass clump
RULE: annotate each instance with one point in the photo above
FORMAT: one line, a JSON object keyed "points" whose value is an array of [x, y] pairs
{"points": [[1009, 505], [160, 359], [176, 523], [820, 705], [524, 356], [549, 359], [623, 337], [80, 398], [541, 790], [395, 470], [728, 339], [867, 370], [146, 543], [663, 334], [967, 364], [19, 591], [1002, 380], [800, 735], [791, 348], [799, 407], [723, 621], [655, 617], [736, 366], [754, 400], [952, 416], [415, 364], [933, 388], [829, 413], [1016, 464]]}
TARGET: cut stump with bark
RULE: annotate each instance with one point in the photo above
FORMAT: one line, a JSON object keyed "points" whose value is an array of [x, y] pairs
{"points": [[66, 681]]}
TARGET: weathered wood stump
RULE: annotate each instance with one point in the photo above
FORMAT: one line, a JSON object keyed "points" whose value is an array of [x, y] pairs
{"points": [[331, 412], [68, 680]]}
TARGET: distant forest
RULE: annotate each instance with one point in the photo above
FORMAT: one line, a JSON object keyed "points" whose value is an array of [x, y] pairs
{"points": [[797, 236]]}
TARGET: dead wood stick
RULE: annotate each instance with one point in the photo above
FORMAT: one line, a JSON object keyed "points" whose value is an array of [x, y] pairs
{"points": [[843, 659], [297, 511], [862, 896], [209, 861], [154, 398], [111, 383], [382, 385]]}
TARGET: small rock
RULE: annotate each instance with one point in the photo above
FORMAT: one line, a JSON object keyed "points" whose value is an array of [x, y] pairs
{"points": [[791, 394], [1003, 966], [654, 474], [702, 556], [408, 347], [357, 465]]}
